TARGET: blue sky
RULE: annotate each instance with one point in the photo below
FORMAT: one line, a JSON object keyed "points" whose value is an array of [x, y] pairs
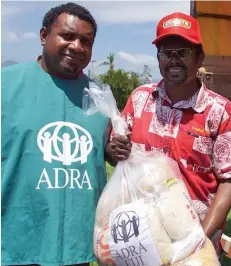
{"points": [[125, 28]]}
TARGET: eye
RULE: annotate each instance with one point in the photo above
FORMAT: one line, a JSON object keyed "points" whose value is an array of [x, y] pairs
{"points": [[86, 41], [68, 36], [184, 53], [167, 53]]}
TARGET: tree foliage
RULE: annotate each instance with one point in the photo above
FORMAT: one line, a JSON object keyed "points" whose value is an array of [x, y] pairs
{"points": [[109, 62], [122, 84]]}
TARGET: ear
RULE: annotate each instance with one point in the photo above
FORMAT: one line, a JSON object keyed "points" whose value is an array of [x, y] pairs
{"points": [[158, 57], [200, 59], [43, 35]]}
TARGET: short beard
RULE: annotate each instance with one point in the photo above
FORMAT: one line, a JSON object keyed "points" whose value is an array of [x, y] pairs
{"points": [[177, 83]]}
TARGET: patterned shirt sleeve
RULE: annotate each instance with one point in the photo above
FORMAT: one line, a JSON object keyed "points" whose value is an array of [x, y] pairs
{"points": [[221, 156], [128, 112]]}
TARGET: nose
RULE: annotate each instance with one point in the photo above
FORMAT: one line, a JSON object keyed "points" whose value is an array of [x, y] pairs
{"points": [[175, 58], [76, 45]]}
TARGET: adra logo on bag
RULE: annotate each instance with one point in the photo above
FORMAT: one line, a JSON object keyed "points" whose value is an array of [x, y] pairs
{"points": [[125, 226], [130, 240], [73, 144]]}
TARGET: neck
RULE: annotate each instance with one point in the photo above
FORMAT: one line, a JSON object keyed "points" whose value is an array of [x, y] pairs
{"points": [[45, 67], [43, 64], [183, 92]]}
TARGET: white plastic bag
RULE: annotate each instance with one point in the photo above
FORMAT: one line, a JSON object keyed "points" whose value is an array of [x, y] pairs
{"points": [[145, 214], [101, 99]]}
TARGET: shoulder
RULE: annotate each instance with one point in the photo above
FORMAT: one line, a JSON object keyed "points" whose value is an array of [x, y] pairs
{"points": [[217, 111], [144, 91], [216, 100], [14, 78], [16, 68], [10, 73], [146, 87]]}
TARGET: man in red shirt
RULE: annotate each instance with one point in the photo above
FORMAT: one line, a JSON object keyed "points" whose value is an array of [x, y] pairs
{"points": [[180, 117]]}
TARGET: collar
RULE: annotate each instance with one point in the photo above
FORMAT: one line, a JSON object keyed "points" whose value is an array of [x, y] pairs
{"points": [[198, 102]]}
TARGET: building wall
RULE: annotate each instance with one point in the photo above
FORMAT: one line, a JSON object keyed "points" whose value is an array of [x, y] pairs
{"points": [[220, 80], [214, 18]]}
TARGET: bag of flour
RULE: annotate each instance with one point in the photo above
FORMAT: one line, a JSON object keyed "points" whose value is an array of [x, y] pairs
{"points": [[145, 215]]}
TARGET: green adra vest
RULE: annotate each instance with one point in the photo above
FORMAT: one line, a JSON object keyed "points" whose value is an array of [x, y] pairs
{"points": [[53, 169]]}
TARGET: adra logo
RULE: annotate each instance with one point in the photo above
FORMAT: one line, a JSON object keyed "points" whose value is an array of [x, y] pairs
{"points": [[67, 143], [66, 147], [125, 226]]}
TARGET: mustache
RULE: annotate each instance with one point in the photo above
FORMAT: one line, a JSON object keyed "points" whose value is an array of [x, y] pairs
{"points": [[176, 65]]}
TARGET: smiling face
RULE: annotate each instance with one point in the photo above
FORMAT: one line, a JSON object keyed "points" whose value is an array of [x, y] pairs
{"points": [[178, 60], [67, 48]]}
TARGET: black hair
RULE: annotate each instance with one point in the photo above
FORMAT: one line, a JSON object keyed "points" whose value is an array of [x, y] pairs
{"points": [[199, 49], [69, 8]]}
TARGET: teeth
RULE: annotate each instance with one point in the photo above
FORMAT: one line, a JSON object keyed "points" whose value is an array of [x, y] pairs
{"points": [[175, 70]]}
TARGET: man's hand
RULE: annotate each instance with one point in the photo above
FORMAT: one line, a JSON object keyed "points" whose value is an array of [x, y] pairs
{"points": [[118, 149], [121, 147]]}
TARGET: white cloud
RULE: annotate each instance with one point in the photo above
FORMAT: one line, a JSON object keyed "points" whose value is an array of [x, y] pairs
{"points": [[29, 35], [138, 59], [11, 37], [9, 9], [107, 11], [135, 11]]}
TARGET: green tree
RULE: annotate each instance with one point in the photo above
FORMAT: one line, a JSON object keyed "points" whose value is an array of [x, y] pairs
{"points": [[134, 79], [110, 62], [122, 84]]}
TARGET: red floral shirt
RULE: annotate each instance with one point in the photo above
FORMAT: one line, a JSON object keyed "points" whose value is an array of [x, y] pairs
{"points": [[196, 133]]}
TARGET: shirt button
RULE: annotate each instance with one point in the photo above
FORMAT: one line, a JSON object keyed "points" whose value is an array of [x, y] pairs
{"points": [[165, 150]]}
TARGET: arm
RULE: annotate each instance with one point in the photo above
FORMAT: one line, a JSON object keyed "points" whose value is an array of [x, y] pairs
{"points": [[218, 210], [221, 159]]}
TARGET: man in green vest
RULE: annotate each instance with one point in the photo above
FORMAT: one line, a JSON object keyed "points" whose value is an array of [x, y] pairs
{"points": [[53, 159]]}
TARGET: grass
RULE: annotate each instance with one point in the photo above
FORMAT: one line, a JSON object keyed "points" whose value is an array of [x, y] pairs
{"points": [[225, 260], [109, 169], [228, 225]]}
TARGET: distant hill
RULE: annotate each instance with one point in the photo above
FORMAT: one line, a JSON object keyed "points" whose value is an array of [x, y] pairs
{"points": [[8, 63]]}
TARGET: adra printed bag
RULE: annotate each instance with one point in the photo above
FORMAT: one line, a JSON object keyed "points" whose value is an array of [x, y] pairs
{"points": [[145, 215]]}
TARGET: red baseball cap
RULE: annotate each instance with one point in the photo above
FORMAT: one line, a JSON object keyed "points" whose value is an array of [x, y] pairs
{"points": [[179, 24]]}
